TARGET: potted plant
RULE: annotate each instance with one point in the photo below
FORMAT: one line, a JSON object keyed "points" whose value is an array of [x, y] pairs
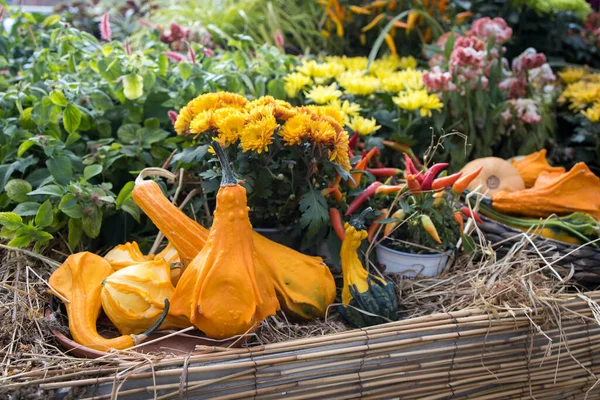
{"points": [[285, 155]]}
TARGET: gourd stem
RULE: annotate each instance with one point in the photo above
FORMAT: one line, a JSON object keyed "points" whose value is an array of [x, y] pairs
{"points": [[153, 171], [227, 179], [157, 324]]}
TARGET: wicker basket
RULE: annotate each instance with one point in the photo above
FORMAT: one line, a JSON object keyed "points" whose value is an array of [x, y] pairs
{"points": [[584, 261], [549, 354]]}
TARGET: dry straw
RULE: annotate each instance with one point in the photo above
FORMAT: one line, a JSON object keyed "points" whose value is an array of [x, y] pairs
{"points": [[485, 329]]}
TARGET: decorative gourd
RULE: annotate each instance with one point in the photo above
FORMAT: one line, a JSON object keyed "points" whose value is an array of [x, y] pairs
{"points": [[304, 285], [170, 255], [576, 190], [546, 178], [497, 175], [79, 281], [532, 165], [225, 290], [362, 290], [125, 255], [132, 297]]}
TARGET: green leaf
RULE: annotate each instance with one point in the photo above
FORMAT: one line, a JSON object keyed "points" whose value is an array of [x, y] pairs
{"points": [[314, 212], [468, 243], [68, 205], [276, 89], [149, 137], [61, 169], [24, 147], [91, 224], [185, 70], [20, 241], [132, 209], [75, 232], [52, 190], [44, 215], [4, 47], [91, 170], [190, 155], [17, 190], [11, 220], [58, 98], [27, 209], [50, 20], [71, 118], [128, 133], [125, 194], [133, 86]]}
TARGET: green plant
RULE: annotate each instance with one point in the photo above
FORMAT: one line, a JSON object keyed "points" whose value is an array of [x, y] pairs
{"points": [[80, 115]]}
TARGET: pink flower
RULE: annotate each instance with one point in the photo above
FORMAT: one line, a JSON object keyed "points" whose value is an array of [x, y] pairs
{"points": [[487, 28], [468, 52], [542, 74], [528, 60], [208, 52], [515, 87], [192, 54], [172, 116], [441, 42], [127, 48], [436, 80], [175, 56], [526, 110], [145, 23], [105, 32], [279, 40]]}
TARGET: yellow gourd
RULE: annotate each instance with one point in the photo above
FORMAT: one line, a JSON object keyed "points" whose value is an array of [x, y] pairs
{"points": [[576, 190], [225, 290], [133, 297], [531, 166], [497, 175], [304, 285], [125, 255], [79, 281]]}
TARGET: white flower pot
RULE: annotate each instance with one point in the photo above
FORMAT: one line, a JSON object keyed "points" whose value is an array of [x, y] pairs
{"points": [[411, 265]]}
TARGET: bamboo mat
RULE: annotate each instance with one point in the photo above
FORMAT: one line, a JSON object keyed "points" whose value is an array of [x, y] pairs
{"points": [[541, 353]]}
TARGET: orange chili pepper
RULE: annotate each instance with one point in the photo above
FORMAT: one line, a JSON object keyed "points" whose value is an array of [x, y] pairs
{"points": [[373, 23], [360, 10], [464, 182], [390, 226], [412, 20], [389, 189], [413, 184], [390, 42], [459, 220], [361, 166], [337, 223], [430, 228]]}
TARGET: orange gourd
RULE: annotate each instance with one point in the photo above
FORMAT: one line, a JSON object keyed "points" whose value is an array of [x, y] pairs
{"points": [[79, 281], [531, 166], [576, 190], [497, 175], [304, 285], [125, 255], [225, 290]]}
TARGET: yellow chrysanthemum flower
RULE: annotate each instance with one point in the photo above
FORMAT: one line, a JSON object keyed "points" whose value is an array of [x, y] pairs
{"points": [[320, 71], [346, 108], [295, 130], [432, 102], [363, 126], [322, 132], [323, 94], [182, 124], [410, 100], [355, 63], [572, 75], [324, 111], [201, 122], [257, 134], [359, 84], [295, 82], [213, 101], [580, 94], [339, 154], [282, 110], [593, 113], [407, 63], [229, 124]]}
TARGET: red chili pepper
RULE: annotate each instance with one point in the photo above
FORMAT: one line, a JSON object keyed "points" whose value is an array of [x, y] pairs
{"points": [[374, 225], [350, 154], [384, 172], [464, 182], [413, 184], [364, 154], [445, 182], [389, 189], [430, 228], [471, 214], [353, 140], [459, 220], [410, 166], [362, 165], [390, 226], [361, 198], [336, 222], [431, 174]]}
